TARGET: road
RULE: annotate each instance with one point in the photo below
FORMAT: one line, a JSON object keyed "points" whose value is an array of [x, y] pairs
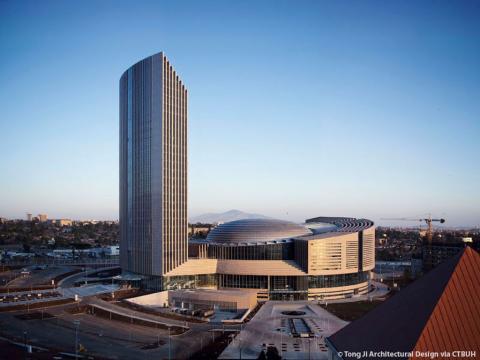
{"points": [[8, 276], [106, 338], [40, 277], [72, 279]]}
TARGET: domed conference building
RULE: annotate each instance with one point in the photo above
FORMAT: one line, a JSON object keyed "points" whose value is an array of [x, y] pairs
{"points": [[325, 258]]}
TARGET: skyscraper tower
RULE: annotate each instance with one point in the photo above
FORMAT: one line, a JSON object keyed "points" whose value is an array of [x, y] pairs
{"points": [[153, 169]]}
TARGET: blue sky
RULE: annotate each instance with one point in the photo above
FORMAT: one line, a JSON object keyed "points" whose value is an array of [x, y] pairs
{"points": [[296, 108]]}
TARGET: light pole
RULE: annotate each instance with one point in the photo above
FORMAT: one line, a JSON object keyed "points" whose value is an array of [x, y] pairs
{"points": [[76, 323], [25, 341], [308, 348], [240, 341], [169, 345], [281, 339]]}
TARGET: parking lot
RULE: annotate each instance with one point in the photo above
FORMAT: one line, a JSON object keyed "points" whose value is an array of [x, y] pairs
{"points": [[28, 296]]}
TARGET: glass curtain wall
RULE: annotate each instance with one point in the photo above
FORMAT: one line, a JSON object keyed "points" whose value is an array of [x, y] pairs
{"points": [[284, 251]]}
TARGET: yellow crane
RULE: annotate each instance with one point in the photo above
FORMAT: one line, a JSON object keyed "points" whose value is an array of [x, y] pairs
{"points": [[428, 221]]}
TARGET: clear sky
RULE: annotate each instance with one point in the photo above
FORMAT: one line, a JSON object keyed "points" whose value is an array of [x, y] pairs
{"points": [[296, 108]]}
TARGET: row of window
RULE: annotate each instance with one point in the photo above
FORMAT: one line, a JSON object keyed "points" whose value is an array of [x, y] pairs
{"points": [[275, 283], [282, 251], [291, 283]]}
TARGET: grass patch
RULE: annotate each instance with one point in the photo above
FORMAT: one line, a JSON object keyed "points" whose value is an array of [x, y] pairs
{"points": [[350, 311]]}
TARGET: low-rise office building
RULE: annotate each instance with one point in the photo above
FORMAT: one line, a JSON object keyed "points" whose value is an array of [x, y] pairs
{"points": [[439, 251]]}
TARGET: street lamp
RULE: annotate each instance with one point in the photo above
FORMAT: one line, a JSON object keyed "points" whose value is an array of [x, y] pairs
{"points": [[25, 340], [169, 345], [77, 324], [308, 348], [281, 339], [240, 341]]}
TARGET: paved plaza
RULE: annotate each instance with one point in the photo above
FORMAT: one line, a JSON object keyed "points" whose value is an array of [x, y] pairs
{"points": [[270, 327]]}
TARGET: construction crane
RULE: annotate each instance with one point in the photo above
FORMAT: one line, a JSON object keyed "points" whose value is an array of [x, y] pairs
{"points": [[428, 221]]}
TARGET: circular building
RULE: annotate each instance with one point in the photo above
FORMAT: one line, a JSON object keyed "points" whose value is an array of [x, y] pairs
{"points": [[324, 258]]}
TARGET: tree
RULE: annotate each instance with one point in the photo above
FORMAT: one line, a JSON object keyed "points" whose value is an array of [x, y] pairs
{"points": [[272, 353], [262, 356], [26, 247]]}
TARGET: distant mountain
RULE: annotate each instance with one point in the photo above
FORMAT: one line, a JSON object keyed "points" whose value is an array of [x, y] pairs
{"points": [[227, 216]]}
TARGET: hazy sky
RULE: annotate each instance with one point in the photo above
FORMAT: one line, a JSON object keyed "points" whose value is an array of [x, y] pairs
{"points": [[296, 108]]}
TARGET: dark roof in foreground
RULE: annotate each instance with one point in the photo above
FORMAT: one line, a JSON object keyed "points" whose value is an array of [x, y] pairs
{"points": [[438, 312]]}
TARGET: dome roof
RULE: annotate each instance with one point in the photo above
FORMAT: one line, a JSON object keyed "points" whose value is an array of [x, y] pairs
{"points": [[255, 230], [321, 227]]}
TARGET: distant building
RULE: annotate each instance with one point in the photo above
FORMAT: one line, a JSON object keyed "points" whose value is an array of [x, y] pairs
{"points": [[94, 252], [437, 313], [29, 217], [63, 222], [439, 251], [199, 229], [87, 222], [42, 217], [113, 250]]}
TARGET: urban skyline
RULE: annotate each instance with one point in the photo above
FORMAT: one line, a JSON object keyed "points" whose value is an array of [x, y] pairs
{"points": [[398, 108], [312, 195]]}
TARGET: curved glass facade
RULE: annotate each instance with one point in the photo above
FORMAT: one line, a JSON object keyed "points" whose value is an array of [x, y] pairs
{"points": [[243, 281], [282, 251], [291, 283], [328, 281]]}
